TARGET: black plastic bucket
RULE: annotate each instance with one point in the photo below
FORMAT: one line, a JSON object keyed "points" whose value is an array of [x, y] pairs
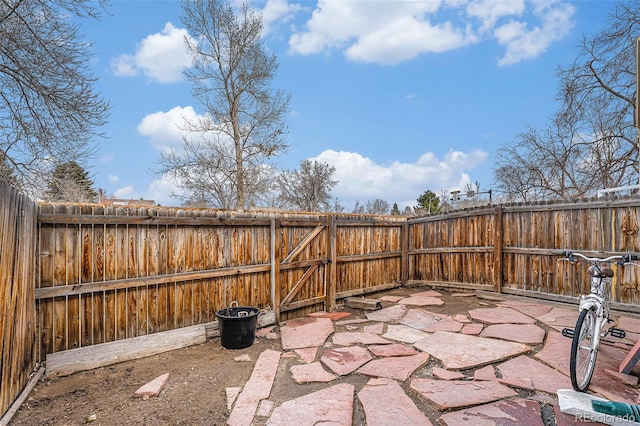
{"points": [[237, 325]]}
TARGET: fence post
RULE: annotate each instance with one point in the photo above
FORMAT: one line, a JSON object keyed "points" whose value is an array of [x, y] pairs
{"points": [[404, 257], [330, 271], [498, 241], [275, 268]]}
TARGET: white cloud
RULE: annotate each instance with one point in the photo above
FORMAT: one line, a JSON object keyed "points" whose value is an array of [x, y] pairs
{"points": [[164, 128], [393, 32], [113, 178], [160, 191], [126, 192], [361, 179], [161, 56]]}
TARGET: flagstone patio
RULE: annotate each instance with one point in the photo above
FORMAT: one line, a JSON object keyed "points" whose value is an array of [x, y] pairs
{"points": [[415, 362]]}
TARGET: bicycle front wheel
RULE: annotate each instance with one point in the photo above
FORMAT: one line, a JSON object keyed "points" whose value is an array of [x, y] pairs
{"points": [[583, 350]]}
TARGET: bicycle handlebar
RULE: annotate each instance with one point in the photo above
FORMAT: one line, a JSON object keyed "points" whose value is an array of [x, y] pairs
{"points": [[571, 257]]}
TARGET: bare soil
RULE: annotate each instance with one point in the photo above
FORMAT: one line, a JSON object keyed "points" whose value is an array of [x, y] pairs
{"points": [[195, 392]]}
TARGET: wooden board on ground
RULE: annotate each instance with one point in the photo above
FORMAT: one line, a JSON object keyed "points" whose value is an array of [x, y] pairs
{"points": [[360, 303], [87, 358]]}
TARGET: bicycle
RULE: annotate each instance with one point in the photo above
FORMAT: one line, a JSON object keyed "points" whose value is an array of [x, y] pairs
{"points": [[594, 316]]}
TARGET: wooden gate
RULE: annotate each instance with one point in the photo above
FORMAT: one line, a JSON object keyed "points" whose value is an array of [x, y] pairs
{"points": [[302, 253]]}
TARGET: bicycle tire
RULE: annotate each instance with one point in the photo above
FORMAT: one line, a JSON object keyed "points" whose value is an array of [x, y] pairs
{"points": [[582, 361]]}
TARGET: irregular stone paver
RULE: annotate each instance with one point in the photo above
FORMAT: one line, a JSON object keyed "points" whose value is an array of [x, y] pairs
{"points": [[460, 351], [629, 324], [428, 293], [500, 315], [258, 387], [394, 349], [307, 355], [348, 338], [392, 299], [418, 319], [532, 309], [398, 368], [343, 361], [392, 313], [445, 394], [523, 333], [560, 317], [556, 352], [510, 412], [421, 301], [265, 408], [626, 378], [443, 374], [330, 406], [398, 408], [542, 377], [232, 393], [403, 333], [447, 324], [472, 329], [305, 332], [352, 321], [461, 318], [264, 331], [152, 388], [334, 316], [374, 328], [485, 373], [307, 373]]}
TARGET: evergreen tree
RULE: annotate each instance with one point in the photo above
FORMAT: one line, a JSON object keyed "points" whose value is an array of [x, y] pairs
{"points": [[70, 182]]}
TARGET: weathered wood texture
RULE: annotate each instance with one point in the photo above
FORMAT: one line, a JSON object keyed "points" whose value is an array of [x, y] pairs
{"points": [[108, 274], [18, 217], [515, 248]]}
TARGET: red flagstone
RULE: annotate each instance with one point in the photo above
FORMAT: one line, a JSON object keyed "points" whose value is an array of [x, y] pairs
{"points": [[459, 351], [153, 388], [352, 321], [264, 331], [305, 332], [500, 315], [398, 368], [443, 374], [392, 299], [517, 411], [485, 373], [349, 338], [258, 387], [472, 328], [307, 355], [556, 352], [419, 319], [330, 406], [532, 309], [403, 333], [523, 333], [445, 394], [445, 325], [307, 373], [629, 324], [421, 301], [427, 293], [343, 361], [394, 349], [392, 313], [561, 317], [265, 407], [374, 328], [334, 316], [461, 318], [404, 411], [626, 378], [543, 378]]}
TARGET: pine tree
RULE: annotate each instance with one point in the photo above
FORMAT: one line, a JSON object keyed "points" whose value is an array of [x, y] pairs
{"points": [[70, 182]]}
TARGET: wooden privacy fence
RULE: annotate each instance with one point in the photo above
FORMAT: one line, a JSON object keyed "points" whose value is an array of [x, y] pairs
{"points": [[106, 274], [17, 309]]}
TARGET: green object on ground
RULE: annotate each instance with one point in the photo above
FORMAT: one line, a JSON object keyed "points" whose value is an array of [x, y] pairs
{"points": [[619, 409]]}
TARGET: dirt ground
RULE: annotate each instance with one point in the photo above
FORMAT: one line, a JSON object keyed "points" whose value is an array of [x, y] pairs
{"points": [[195, 392]]}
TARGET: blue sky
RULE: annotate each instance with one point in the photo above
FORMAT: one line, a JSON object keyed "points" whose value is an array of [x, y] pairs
{"points": [[399, 96]]}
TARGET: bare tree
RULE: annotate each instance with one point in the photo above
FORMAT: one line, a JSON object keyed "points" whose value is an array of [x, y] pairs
{"points": [[591, 142], [307, 189], [49, 108], [243, 125]]}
